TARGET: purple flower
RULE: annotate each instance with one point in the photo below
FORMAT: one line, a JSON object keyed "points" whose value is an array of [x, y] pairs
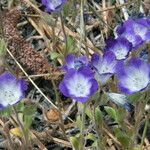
{"points": [[79, 84], [136, 40], [53, 5], [133, 77], [140, 27], [120, 47], [105, 66], [121, 100], [135, 31], [11, 89], [74, 62]]}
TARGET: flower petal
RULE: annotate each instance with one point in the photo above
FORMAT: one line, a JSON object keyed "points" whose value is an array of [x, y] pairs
{"points": [[120, 47], [133, 77]]}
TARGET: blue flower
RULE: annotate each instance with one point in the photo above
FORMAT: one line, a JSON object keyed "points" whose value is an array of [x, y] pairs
{"points": [[53, 5], [104, 66], [135, 31], [136, 40], [11, 89], [79, 84], [73, 62], [120, 47], [121, 100], [133, 76], [139, 27]]}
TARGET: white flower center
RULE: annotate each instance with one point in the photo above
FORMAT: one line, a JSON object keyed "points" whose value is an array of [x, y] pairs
{"points": [[137, 80], [79, 86], [120, 51], [10, 94], [129, 37], [105, 67], [139, 30]]}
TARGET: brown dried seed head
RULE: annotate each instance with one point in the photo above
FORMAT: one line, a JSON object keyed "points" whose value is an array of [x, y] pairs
{"points": [[22, 50], [52, 115]]}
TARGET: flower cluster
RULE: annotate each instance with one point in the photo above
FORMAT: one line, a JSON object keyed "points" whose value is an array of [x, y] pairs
{"points": [[79, 83], [53, 5], [132, 73], [11, 89]]}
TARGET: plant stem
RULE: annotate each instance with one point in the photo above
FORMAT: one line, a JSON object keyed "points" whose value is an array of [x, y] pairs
{"points": [[59, 110], [124, 10], [81, 146], [144, 132], [64, 32], [146, 121], [26, 142], [98, 126], [7, 134], [82, 29]]}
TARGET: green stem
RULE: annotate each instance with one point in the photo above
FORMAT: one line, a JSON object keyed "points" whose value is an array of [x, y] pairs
{"points": [[81, 146], [82, 30], [144, 132], [98, 126], [64, 32], [146, 121]]}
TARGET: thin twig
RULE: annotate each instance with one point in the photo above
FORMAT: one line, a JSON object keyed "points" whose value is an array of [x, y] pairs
{"points": [[34, 82], [59, 110], [64, 32], [124, 10]]}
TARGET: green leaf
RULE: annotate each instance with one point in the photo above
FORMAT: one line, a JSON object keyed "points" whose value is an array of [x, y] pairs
{"points": [[75, 143], [94, 144], [6, 112], [122, 137], [104, 98], [124, 140], [96, 96], [3, 47], [111, 111], [78, 121], [134, 97], [29, 110], [66, 8], [28, 121], [54, 55], [120, 115], [91, 136], [20, 106], [98, 116], [71, 44], [89, 113]]}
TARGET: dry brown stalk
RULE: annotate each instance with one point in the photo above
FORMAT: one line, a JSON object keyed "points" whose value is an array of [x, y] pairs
{"points": [[22, 50]]}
